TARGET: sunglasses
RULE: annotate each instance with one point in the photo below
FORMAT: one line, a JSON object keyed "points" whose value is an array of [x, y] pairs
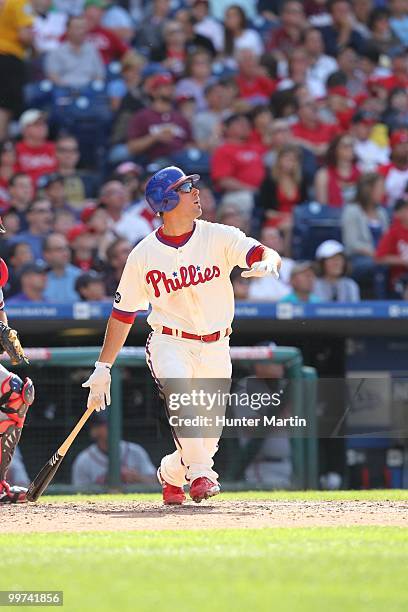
{"points": [[186, 187]]}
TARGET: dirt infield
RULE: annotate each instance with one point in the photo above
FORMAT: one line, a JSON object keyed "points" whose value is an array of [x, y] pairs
{"points": [[213, 514]]}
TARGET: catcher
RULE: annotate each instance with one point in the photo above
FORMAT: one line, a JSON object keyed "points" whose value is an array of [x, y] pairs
{"points": [[15, 398]]}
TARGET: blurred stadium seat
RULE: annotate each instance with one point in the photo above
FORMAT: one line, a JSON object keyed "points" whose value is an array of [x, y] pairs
{"points": [[313, 223], [39, 95], [113, 71], [193, 160], [86, 114]]}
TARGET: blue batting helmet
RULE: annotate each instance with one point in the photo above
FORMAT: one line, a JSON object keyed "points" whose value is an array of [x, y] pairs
{"points": [[161, 193]]}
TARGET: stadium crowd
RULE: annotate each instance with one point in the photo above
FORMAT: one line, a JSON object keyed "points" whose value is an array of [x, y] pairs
{"points": [[294, 113]]}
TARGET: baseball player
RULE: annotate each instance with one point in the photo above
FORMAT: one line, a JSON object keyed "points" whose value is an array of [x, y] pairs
{"points": [[182, 270], [15, 398]]}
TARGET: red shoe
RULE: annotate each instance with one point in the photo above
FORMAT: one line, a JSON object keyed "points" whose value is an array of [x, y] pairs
{"points": [[172, 496], [203, 488], [12, 495]]}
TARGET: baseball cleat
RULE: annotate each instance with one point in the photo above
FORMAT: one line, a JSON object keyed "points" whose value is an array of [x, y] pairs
{"points": [[172, 495], [12, 495], [203, 488]]}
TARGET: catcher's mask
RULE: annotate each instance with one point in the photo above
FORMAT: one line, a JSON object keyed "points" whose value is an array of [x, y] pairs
{"points": [[2, 228]]}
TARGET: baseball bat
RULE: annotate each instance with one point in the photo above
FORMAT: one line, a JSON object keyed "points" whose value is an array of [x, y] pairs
{"points": [[47, 472]]}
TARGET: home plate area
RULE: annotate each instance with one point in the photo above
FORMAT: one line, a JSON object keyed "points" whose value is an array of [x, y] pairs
{"points": [[72, 516]]}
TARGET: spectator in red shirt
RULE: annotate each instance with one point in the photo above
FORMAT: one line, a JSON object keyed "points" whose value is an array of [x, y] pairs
{"points": [[35, 154], [84, 245], [287, 37], [109, 45], [158, 131], [340, 106], [97, 220], [254, 86], [310, 132], [335, 183], [393, 246], [396, 173], [237, 164]]}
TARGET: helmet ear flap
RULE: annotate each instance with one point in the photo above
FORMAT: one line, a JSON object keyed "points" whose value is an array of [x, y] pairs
{"points": [[171, 200]]}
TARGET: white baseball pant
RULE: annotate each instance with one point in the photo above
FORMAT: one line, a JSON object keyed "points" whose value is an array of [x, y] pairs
{"points": [[170, 357]]}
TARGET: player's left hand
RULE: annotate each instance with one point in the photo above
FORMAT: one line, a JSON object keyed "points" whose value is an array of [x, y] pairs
{"points": [[270, 264]]}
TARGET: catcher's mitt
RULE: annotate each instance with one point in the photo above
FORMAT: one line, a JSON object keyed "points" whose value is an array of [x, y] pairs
{"points": [[10, 343]]}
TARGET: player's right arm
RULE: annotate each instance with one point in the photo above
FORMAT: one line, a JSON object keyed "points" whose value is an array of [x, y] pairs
{"points": [[100, 380], [129, 298], [115, 337]]}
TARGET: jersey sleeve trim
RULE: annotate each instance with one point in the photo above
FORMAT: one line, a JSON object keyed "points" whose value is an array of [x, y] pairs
{"points": [[254, 254], [123, 315]]}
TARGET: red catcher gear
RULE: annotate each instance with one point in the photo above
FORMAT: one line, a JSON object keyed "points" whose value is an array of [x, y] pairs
{"points": [[16, 397], [203, 488], [4, 273]]}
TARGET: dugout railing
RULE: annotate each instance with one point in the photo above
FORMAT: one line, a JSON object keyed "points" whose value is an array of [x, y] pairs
{"points": [[59, 372]]}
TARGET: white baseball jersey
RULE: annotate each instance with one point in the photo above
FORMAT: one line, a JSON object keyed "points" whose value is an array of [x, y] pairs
{"points": [[188, 287]]}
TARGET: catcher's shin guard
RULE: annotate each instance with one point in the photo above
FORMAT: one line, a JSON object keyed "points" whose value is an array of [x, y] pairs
{"points": [[16, 396]]}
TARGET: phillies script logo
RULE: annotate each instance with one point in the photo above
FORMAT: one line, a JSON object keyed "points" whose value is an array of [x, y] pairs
{"points": [[186, 277]]}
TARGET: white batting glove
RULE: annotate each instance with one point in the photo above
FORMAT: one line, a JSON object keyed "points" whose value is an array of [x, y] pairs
{"points": [[270, 264], [99, 386]]}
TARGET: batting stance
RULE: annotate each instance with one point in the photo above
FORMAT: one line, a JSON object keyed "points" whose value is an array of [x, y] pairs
{"points": [[182, 270], [15, 398]]}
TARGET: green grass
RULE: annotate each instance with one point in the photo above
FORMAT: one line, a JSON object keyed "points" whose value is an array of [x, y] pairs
{"points": [[373, 495], [281, 570], [355, 569]]}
